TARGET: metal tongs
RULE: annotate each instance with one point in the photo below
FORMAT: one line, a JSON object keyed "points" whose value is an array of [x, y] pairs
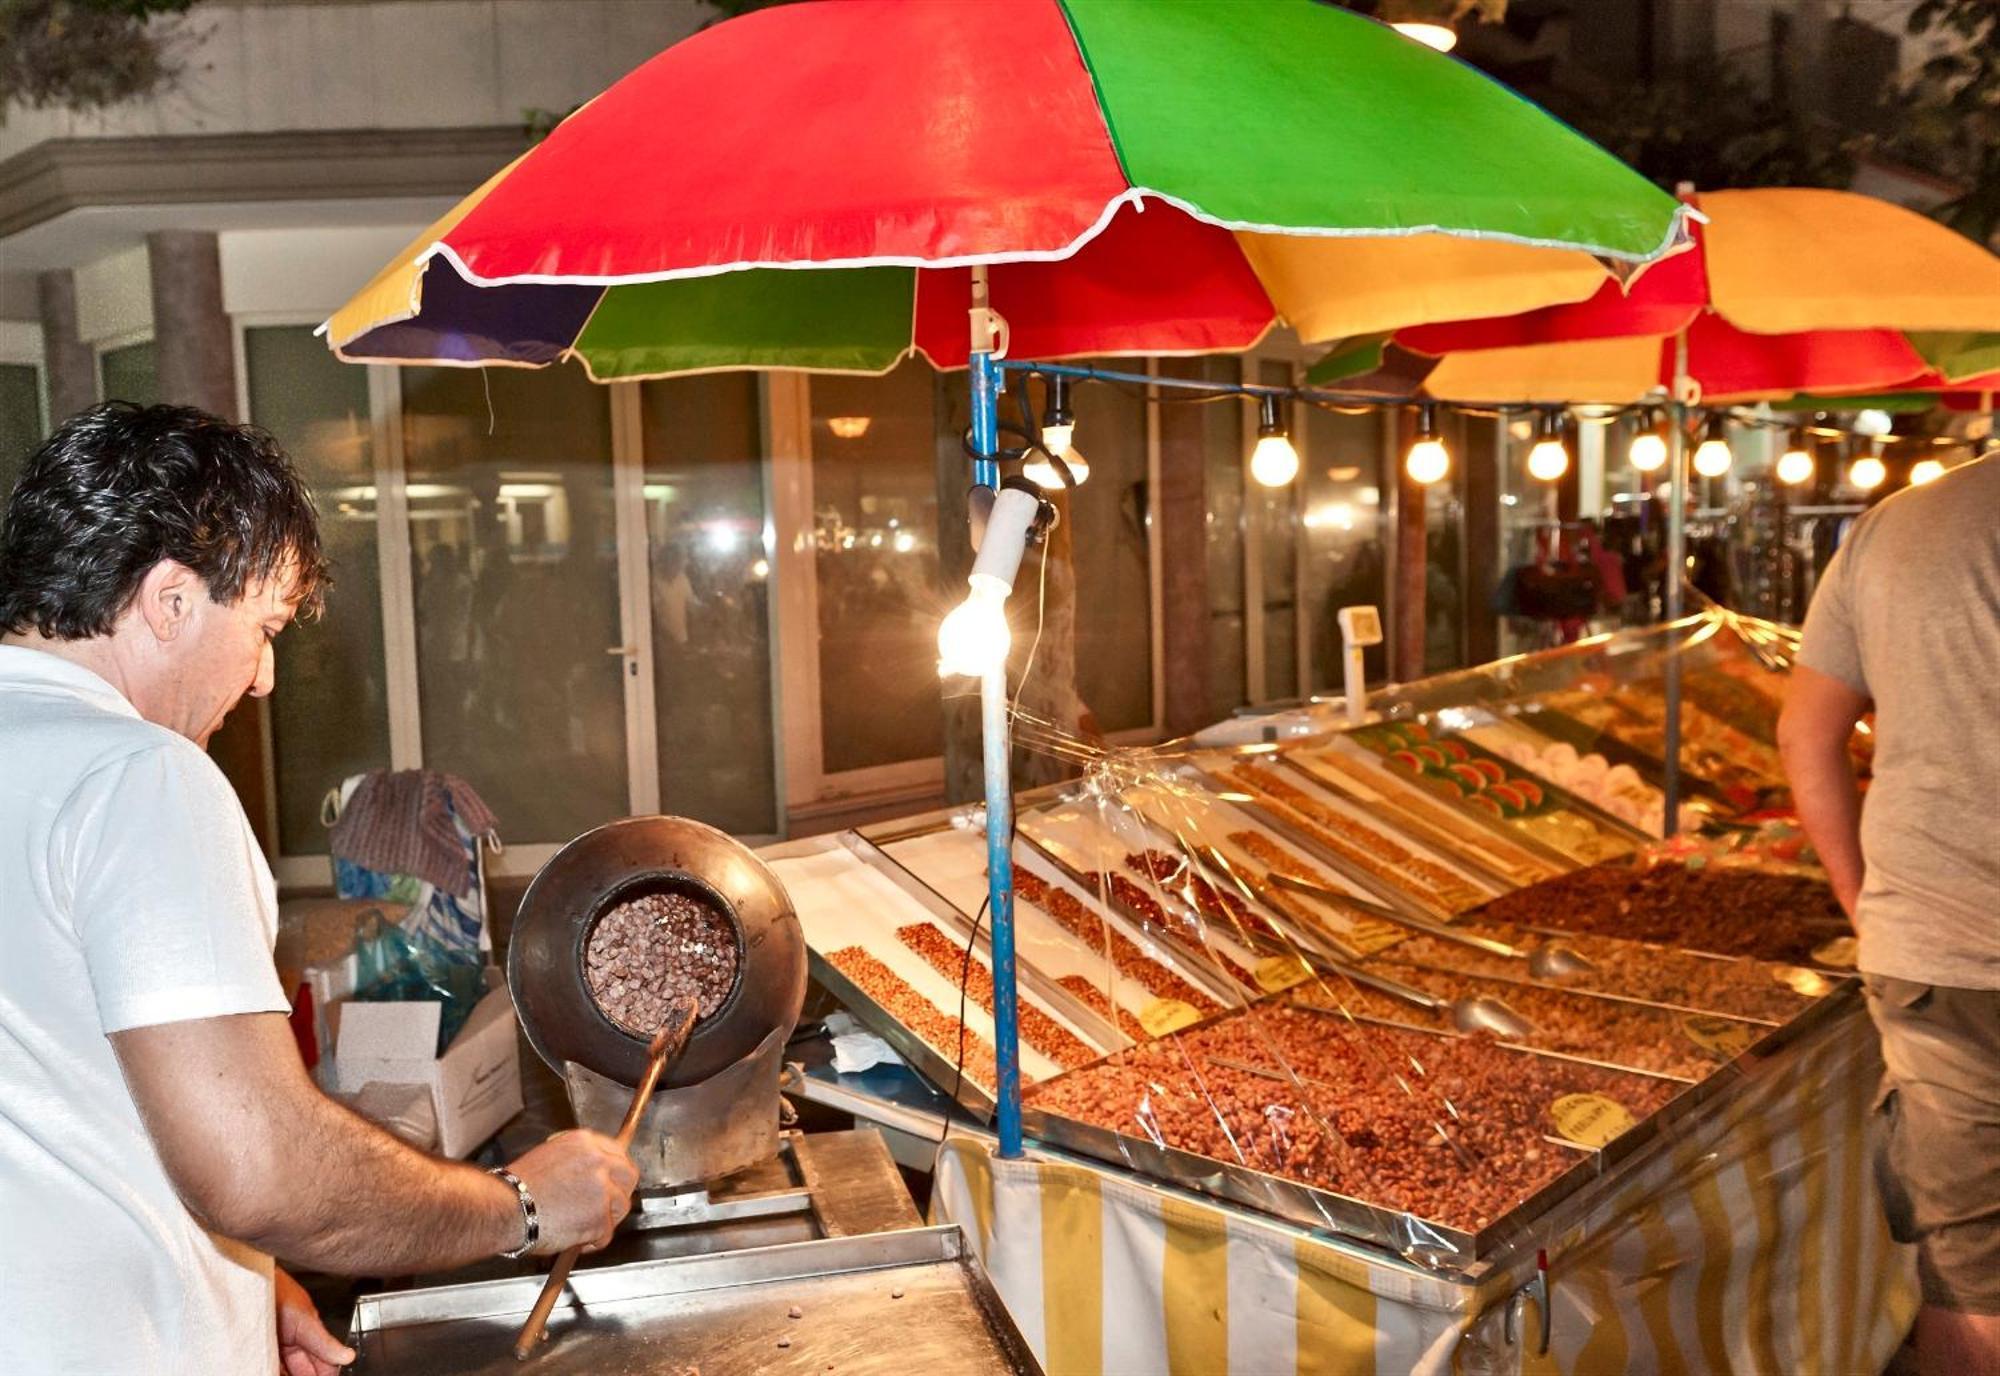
{"points": [[1552, 960]]}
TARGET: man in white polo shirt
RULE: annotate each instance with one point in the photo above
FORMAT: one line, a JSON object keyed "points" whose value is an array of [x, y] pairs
{"points": [[160, 1141]]}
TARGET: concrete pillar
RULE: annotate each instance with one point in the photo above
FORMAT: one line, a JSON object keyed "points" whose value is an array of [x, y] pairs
{"points": [[71, 367], [191, 336], [1182, 512], [1485, 452], [196, 359]]}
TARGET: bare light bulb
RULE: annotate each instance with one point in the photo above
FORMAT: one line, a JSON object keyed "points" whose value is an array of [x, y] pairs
{"points": [[1443, 37], [1039, 471], [1648, 453], [1867, 473], [1428, 461], [973, 639], [1712, 458], [1795, 467], [1925, 471], [1274, 462], [1548, 460]]}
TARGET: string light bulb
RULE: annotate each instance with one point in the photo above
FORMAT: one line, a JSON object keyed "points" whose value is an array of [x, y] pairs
{"points": [[1795, 465], [1428, 459], [1712, 457], [1273, 462], [1925, 471], [1648, 453], [1548, 460], [1867, 473]]}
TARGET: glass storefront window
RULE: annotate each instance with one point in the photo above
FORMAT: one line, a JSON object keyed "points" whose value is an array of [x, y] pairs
{"points": [[330, 715], [710, 594], [1110, 519], [20, 420], [513, 552], [130, 373], [1346, 524], [875, 523]]}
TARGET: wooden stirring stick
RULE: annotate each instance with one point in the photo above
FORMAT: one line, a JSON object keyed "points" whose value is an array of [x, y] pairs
{"points": [[666, 1047]]}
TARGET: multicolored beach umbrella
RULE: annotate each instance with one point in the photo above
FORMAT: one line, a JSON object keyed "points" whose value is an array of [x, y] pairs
{"points": [[1786, 290], [809, 186]]}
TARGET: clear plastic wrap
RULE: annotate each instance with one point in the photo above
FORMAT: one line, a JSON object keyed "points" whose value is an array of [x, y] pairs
{"points": [[1416, 1002]]}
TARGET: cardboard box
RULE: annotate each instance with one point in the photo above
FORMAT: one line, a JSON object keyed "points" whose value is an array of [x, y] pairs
{"points": [[474, 1087]]}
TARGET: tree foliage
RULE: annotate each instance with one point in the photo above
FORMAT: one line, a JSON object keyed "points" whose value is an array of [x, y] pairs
{"points": [[83, 54], [1955, 107]]}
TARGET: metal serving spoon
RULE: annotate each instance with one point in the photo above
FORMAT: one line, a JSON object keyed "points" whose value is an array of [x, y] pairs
{"points": [[1552, 960], [1473, 1013]]}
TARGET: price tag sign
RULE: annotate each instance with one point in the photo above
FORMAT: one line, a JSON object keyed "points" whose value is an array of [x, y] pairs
{"points": [[1723, 1038], [1280, 972], [1162, 1016], [1589, 1120]]}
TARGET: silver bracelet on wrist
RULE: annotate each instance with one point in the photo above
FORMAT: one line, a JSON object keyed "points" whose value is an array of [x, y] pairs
{"points": [[531, 1218]]}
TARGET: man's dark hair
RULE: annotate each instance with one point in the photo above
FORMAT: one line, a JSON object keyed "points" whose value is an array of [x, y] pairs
{"points": [[120, 487]]}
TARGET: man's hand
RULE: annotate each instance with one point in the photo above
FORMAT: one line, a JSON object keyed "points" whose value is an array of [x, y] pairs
{"points": [[305, 1348], [582, 1183]]}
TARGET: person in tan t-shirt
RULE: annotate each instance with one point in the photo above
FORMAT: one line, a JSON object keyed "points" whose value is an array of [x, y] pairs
{"points": [[1908, 618]]}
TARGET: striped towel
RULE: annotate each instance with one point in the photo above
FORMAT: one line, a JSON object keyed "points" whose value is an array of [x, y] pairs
{"points": [[402, 822]]}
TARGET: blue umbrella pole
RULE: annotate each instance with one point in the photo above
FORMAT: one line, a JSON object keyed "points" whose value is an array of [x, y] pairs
{"points": [[996, 735]]}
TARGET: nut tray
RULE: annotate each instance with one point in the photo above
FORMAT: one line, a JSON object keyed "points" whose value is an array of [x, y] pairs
{"points": [[1432, 1244]]}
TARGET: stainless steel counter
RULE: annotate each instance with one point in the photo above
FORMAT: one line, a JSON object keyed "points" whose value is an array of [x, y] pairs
{"points": [[895, 1302]]}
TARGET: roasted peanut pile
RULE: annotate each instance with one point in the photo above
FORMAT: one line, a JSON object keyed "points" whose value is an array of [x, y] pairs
{"points": [[942, 1032], [1740, 988], [1359, 845], [1367, 1123], [1038, 1029], [1070, 911], [1730, 912]]}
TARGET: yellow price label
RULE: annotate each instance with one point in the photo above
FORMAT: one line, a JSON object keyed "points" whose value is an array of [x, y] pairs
{"points": [[1280, 972], [1723, 1038], [1162, 1016], [1590, 1120]]}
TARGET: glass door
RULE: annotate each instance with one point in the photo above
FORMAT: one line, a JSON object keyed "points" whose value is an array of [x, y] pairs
{"points": [[514, 566]]}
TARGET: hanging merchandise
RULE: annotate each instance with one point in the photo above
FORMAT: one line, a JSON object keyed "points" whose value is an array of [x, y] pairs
{"points": [[416, 838]]}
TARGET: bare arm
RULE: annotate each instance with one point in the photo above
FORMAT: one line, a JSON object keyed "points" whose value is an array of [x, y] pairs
{"points": [[1813, 731], [259, 1154]]}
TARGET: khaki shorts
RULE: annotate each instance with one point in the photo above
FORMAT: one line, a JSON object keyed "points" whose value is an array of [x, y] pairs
{"points": [[1940, 1167]]}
